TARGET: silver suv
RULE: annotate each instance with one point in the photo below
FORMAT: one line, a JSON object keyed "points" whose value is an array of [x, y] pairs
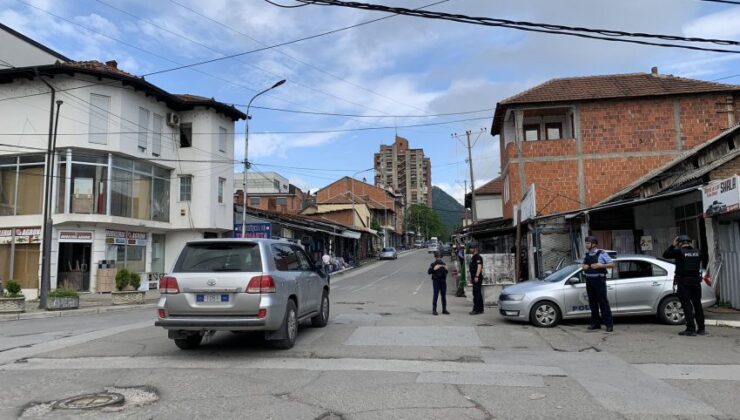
{"points": [[638, 285], [242, 285]]}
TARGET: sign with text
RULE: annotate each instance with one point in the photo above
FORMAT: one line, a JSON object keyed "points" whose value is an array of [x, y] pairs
{"points": [[20, 235], [529, 205], [721, 197], [75, 235], [646, 243], [122, 237], [252, 230]]}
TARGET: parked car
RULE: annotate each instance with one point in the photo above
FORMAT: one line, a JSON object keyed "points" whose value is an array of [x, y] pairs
{"points": [[445, 249], [242, 285], [637, 285], [432, 247], [388, 254]]}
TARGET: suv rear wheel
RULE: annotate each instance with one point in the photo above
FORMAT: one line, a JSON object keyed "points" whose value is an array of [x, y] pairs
{"points": [[190, 342], [289, 328], [322, 318], [545, 314]]}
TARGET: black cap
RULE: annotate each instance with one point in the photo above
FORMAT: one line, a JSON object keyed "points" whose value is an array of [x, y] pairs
{"points": [[474, 245], [683, 239], [591, 239]]}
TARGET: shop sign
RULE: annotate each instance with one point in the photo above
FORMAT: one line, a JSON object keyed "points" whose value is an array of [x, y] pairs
{"points": [[721, 197], [75, 235], [23, 235], [122, 237], [253, 230]]}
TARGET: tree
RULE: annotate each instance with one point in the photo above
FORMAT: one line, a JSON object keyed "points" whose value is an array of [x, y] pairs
{"points": [[423, 220]]}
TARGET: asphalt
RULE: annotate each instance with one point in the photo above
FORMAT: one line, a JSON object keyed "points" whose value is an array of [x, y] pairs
{"points": [[98, 303]]}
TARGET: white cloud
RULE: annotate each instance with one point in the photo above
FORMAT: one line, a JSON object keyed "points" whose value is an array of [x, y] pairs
{"points": [[721, 25]]}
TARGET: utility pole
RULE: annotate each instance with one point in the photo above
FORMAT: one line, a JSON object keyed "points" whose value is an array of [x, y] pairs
{"points": [[470, 166]]}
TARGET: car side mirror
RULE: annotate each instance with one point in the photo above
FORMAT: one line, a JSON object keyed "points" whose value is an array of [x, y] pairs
{"points": [[572, 281]]}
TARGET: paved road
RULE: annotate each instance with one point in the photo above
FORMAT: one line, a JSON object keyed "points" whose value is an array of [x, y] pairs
{"points": [[383, 355]]}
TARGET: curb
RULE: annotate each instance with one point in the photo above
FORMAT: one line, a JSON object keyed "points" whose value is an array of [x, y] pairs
{"points": [[722, 323], [75, 312]]}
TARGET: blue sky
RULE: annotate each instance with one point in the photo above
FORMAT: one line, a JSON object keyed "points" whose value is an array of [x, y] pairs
{"points": [[384, 71]]}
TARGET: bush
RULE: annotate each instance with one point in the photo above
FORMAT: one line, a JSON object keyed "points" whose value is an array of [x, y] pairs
{"points": [[123, 277], [135, 280], [13, 289], [64, 293]]}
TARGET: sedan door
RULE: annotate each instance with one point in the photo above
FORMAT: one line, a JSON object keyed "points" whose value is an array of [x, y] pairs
{"points": [[575, 296], [639, 286]]}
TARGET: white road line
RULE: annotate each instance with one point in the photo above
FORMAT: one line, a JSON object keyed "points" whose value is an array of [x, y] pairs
{"points": [[20, 353], [375, 282], [419, 287]]}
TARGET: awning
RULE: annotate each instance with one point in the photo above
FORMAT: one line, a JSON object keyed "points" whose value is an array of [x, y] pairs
{"points": [[351, 234]]}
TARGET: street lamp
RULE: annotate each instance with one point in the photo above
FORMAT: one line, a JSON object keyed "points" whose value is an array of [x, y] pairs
{"points": [[246, 151]]}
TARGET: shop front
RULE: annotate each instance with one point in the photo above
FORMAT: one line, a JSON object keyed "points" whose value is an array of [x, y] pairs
{"points": [[20, 256], [74, 259]]}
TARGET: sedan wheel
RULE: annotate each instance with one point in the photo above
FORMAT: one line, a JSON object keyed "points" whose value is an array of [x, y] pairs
{"points": [[545, 315], [671, 311]]}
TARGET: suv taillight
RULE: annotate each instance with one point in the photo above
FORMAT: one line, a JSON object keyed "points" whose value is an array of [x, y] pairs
{"points": [[261, 284], [168, 285]]}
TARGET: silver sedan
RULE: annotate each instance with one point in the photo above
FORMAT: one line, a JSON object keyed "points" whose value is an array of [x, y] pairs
{"points": [[389, 253], [637, 285]]}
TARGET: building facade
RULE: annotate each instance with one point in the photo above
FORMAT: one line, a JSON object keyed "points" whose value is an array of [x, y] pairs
{"points": [[404, 170], [129, 162], [581, 139], [269, 191]]}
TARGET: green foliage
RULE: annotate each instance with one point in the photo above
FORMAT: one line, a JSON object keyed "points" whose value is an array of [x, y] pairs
{"points": [[64, 293], [450, 211], [422, 219], [123, 277], [374, 225], [135, 280], [13, 289]]}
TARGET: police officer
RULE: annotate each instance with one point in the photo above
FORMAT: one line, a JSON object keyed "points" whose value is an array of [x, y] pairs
{"points": [[438, 270], [688, 281], [594, 267], [476, 279]]}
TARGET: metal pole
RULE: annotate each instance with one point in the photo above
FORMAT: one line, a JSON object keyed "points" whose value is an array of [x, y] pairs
{"points": [[48, 222], [472, 180], [246, 151]]}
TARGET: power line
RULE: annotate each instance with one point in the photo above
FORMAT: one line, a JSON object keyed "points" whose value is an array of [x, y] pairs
{"points": [[726, 77], [715, 1], [331, 114], [581, 32]]}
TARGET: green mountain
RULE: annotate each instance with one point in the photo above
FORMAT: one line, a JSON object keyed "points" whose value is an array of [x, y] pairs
{"points": [[448, 209]]}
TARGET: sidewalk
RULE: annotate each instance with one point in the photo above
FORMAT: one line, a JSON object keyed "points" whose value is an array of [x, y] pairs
{"points": [[90, 303], [721, 316]]}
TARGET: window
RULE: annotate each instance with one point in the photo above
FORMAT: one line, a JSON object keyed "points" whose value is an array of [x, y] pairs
{"points": [[637, 269], [281, 201], [186, 187], [143, 129], [88, 186], [554, 131], [285, 258], [186, 135], [221, 139], [254, 201], [303, 260], [98, 124], [157, 124], [21, 185], [688, 218], [219, 256], [531, 132], [221, 184]]}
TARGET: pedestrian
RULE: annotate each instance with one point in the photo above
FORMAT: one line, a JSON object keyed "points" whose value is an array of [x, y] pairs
{"points": [[438, 270], [326, 260], [461, 271], [476, 279], [594, 267], [687, 280]]}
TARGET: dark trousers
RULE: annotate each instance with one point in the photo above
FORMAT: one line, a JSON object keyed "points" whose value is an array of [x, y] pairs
{"points": [[478, 296], [690, 296], [440, 288], [598, 302]]}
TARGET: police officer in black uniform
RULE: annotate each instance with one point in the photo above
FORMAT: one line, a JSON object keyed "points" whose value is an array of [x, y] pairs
{"points": [[438, 270], [594, 268], [688, 281], [476, 279]]}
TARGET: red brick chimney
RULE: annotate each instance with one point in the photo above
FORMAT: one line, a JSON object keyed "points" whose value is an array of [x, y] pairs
{"points": [[112, 64]]}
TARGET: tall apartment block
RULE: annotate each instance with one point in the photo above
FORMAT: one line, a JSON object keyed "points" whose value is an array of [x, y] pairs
{"points": [[406, 170]]}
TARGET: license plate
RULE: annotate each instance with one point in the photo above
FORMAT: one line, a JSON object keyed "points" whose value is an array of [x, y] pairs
{"points": [[211, 298]]}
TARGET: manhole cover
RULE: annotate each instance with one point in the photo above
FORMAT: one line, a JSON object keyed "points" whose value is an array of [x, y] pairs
{"points": [[90, 401]]}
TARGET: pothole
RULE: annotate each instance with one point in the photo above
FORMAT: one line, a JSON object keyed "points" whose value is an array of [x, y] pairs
{"points": [[112, 399]]}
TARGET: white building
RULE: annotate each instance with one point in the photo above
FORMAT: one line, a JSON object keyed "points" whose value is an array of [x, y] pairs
{"points": [[20, 51], [488, 200], [262, 183], [138, 171]]}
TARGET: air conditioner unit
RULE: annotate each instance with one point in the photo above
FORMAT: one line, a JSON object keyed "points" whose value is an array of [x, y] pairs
{"points": [[173, 120]]}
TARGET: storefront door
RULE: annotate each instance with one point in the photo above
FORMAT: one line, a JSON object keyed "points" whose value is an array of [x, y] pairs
{"points": [[74, 266]]}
